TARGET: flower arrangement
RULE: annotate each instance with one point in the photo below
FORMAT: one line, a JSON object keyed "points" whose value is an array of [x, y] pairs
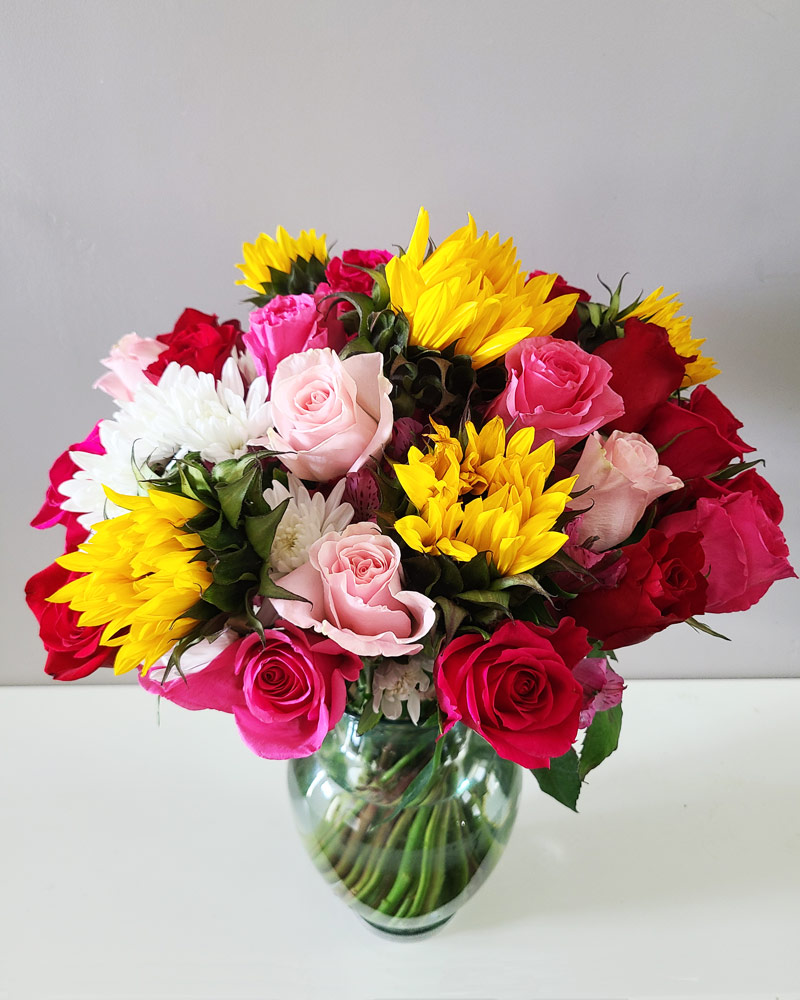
{"points": [[429, 486]]}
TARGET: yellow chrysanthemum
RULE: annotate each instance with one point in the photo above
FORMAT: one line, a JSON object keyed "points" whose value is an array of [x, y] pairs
{"points": [[278, 253], [470, 292], [140, 577], [512, 516], [662, 310]]}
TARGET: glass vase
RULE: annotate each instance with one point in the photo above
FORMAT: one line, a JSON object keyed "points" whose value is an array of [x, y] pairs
{"points": [[404, 868]]}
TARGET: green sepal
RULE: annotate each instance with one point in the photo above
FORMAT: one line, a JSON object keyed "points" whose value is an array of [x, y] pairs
{"points": [[519, 580], [228, 597], [233, 567], [702, 627], [268, 588], [495, 599], [260, 530], [734, 469], [236, 480], [561, 780], [601, 739]]}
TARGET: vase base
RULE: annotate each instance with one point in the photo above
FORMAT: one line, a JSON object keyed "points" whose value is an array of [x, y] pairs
{"points": [[415, 933]]}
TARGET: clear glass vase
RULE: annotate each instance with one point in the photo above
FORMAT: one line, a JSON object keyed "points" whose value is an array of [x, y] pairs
{"points": [[404, 869]]}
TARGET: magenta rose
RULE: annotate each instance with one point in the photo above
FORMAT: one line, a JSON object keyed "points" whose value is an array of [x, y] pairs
{"points": [[344, 278], [352, 590], [129, 359], [287, 324], [558, 388], [745, 551], [330, 416], [73, 650], [625, 477], [62, 470], [199, 341], [517, 690], [285, 694]]}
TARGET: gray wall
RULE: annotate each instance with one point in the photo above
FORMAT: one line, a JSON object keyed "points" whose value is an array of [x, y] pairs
{"points": [[142, 143]]}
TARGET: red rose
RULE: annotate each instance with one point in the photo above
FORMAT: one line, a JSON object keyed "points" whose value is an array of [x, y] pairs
{"points": [[569, 331], [516, 689], [646, 370], [745, 551], [663, 583], [342, 278], [73, 650], [63, 469], [198, 341], [698, 436]]}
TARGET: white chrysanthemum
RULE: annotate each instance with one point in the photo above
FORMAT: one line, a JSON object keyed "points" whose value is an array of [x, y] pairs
{"points": [[306, 520], [122, 468], [394, 683], [191, 411]]}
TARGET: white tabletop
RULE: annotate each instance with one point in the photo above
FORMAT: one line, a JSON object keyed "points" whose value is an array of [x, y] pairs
{"points": [[147, 860]]}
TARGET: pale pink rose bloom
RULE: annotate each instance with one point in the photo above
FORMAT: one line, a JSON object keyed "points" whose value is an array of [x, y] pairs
{"points": [[330, 416], [127, 361], [626, 478], [352, 590], [558, 388]]}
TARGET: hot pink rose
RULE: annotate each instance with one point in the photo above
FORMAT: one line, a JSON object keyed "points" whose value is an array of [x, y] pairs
{"points": [[558, 388], [517, 690], [626, 478], [330, 416], [342, 278], [128, 360], [62, 470], [745, 551], [288, 324], [286, 693], [353, 585]]}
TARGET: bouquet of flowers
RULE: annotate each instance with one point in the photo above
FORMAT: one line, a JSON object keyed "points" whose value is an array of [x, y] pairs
{"points": [[427, 486]]}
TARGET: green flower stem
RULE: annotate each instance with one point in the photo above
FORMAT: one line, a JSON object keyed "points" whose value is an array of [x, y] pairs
{"points": [[399, 766], [385, 841], [405, 872], [433, 897], [352, 841], [429, 857]]}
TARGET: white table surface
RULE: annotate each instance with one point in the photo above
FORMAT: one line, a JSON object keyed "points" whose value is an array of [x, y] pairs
{"points": [[159, 860]]}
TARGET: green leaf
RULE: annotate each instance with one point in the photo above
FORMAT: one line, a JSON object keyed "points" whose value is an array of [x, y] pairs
{"points": [[369, 718], [519, 580], [601, 740], [561, 780], [452, 616], [196, 485], [232, 567], [734, 469], [268, 588], [702, 627], [491, 598], [231, 493], [261, 530], [418, 786]]}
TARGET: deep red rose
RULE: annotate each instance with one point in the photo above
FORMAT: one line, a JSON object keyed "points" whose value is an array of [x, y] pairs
{"points": [[516, 689], [663, 584], [646, 370], [745, 551], [698, 436], [198, 341], [342, 278], [63, 469], [73, 650], [569, 331]]}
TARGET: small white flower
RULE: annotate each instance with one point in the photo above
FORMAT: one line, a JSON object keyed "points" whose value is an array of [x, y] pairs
{"points": [[394, 683], [306, 520]]}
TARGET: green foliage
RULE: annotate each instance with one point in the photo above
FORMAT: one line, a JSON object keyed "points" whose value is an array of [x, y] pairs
{"points": [[303, 277], [561, 780], [601, 739]]}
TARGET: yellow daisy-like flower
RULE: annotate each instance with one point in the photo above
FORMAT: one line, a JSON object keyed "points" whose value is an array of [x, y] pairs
{"points": [[470, 292], [140, 577], [663, 311], [279, 254], [512, 516]]}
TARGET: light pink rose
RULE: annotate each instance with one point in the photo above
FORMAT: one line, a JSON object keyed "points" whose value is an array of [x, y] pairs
{"points": [[330, 416], [353, 585], [288, 324], [558, 388], [626, 478], [127, 361]]}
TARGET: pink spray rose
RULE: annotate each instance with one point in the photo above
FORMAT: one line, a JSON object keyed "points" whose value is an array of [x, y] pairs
{"points": [[344, 278], [558, 388], [127, 363], [288, 324], [330, 416], [285, 694], [353, 585], [626, 478], [745, 551]]}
